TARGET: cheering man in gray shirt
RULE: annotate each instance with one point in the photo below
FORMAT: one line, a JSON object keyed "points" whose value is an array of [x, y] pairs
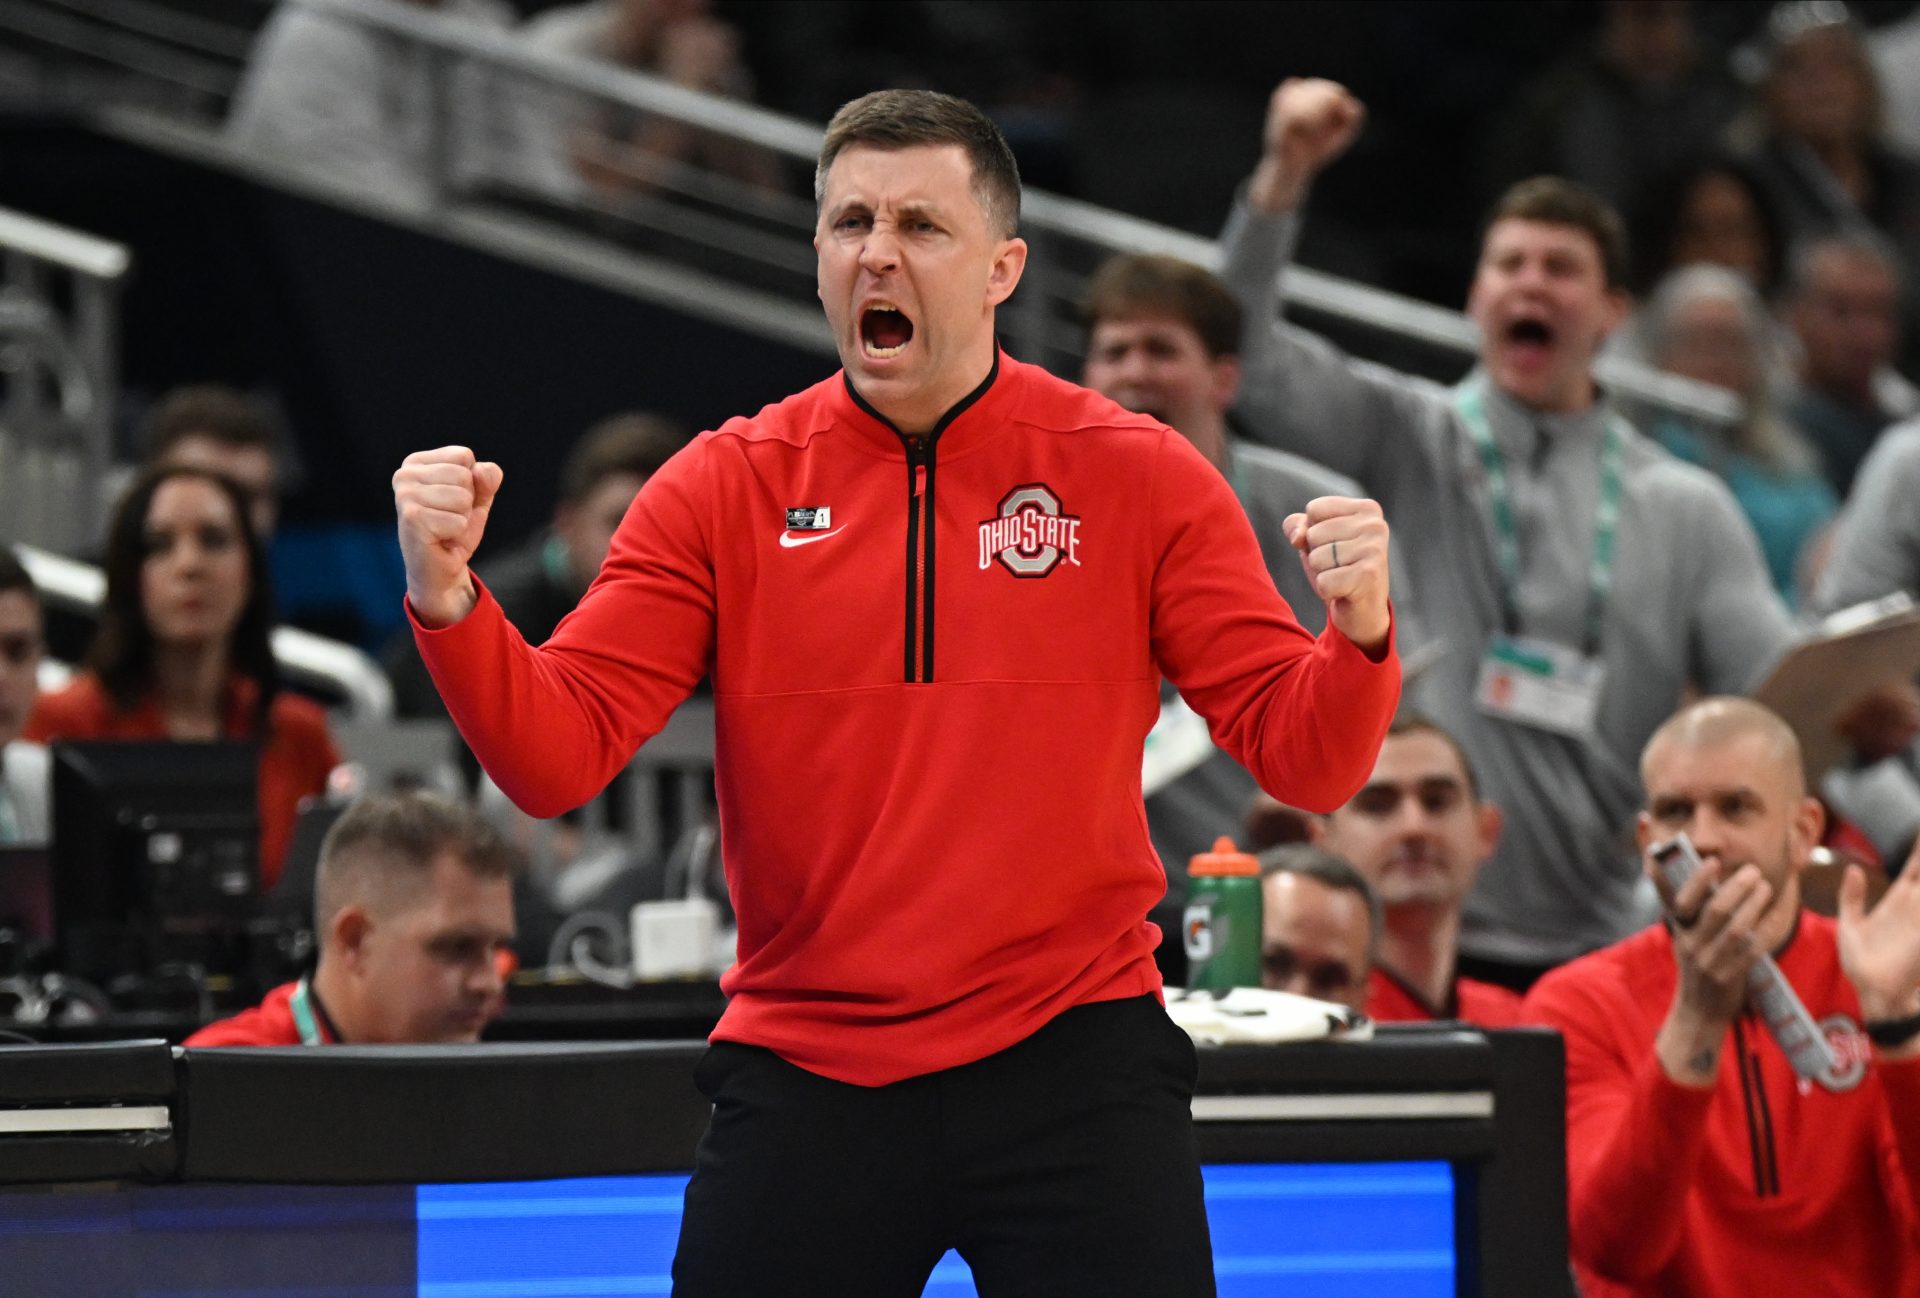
{"points": [[1576, 578]]}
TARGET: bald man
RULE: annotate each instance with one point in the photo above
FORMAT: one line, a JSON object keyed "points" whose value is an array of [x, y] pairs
{"points": [[413, 912], [1697, 1162]]}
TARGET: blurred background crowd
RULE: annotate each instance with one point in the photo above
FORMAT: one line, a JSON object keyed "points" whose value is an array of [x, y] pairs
{"points": [[571, 234]]}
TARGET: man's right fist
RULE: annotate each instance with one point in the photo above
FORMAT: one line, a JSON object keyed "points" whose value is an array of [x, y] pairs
{"points": [[1310, 122], [442, 499]]}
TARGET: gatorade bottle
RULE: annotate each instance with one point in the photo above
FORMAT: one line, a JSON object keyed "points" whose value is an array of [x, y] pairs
{"points": [[1222, 920]]}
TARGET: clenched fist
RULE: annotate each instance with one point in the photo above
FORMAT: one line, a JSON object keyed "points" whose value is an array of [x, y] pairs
{"points": [[1310, 122], [442, 499], [1343, 546]]}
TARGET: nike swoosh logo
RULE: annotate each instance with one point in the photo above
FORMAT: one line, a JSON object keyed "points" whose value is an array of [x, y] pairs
{"points": [[788, 540]]}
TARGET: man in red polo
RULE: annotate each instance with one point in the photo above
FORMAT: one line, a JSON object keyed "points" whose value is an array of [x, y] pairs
{"points": [[1418, 832], [413, 907], [1698, 1163]]}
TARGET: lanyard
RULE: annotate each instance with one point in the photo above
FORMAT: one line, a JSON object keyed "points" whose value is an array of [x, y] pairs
{"points": [[301, 1003], [1506, 533]]}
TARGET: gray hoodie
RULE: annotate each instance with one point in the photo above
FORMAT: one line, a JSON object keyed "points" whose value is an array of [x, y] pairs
{"points": [[1691, 603]]}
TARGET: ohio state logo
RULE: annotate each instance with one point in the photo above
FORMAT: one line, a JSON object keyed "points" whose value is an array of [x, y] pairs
{"points": [[1031, 537], [1851, 1053]]}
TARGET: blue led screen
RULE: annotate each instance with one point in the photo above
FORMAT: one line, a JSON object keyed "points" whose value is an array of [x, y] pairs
{"points": [[1333, 1230], [1336, 1230]]}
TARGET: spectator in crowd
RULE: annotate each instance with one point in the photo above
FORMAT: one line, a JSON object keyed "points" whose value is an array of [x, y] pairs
{"points": [[1646, 94], [1843, 305], [1820, 148], [367, 107], [1876, 546], [23, 765], [1707, 323], [1713, 211], [619, 151], [1698, 1162], [1164, 340], [1319, 926], [207, 426], [413, 908], [184, 647], [539, 583], [1579, 579], [1418, 832]]}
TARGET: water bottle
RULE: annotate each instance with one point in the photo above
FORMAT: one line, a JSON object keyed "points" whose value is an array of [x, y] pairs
{"points": [[1222, 920]]}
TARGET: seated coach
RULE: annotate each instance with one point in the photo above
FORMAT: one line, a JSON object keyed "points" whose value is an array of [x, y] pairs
{"points": [[413, 911]]}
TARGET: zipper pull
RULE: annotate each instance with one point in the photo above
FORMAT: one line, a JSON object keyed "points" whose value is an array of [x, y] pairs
{"points": [[917, 457]]}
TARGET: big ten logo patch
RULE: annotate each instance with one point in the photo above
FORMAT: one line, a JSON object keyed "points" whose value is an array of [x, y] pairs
{"points": [[1851, 1053], [1030, 536]]}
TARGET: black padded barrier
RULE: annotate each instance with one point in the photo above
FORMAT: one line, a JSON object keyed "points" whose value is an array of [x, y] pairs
{"points": [[105, 1075], [367, 1115]]}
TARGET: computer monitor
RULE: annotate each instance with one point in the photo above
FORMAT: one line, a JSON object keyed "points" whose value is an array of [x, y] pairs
{"points": [[155, 851]]}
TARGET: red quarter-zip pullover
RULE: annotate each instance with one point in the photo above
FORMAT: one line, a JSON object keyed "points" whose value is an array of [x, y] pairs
{"points": [[934, 664]]}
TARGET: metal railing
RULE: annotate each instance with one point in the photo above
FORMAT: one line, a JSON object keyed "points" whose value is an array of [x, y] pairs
{"points": [[1069, 238], [750, 241], [338, 670], [60, 366]]}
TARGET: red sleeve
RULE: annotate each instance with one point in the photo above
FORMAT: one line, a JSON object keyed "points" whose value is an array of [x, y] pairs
{"points": [[1634, 1137], [236, 1031], [1306, 717], [302, 725], [553, 725], [1486, 1005], [72, 712], [254, 1027], [1901, 1083]]}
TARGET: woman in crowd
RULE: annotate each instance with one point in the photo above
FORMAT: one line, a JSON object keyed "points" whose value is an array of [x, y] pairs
{"points": [[183, 651], [1712, 210], [1707, 323], [1819, 143]]}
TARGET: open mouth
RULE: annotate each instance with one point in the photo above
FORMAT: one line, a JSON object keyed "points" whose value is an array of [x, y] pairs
{"points": [[1530, 331], [885, 330]]}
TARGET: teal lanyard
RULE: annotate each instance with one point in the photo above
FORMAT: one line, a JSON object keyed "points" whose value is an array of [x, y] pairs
{"points": [[301, 1003], [1506, 532]]}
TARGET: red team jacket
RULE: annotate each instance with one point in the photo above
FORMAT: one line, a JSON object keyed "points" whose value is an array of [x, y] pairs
{"points": [[1759, 1186], [1482, 1004], [933, 673], [270, 1023]]}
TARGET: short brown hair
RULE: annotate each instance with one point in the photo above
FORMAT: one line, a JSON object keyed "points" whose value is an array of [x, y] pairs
{"points": [[636, 443], [1552, 200], [906, 119], [1336, 872], [1136, 284], [209, 410], [396, 837], [1417, 723]]}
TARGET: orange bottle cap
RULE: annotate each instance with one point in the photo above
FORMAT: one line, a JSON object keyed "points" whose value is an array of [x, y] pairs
{"points": [[1224, 859]]}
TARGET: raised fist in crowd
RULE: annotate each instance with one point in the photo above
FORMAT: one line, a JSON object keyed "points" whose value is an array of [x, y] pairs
{"points": [[1310, 122]]}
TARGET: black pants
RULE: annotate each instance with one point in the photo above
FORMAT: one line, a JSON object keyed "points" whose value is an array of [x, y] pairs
{"points": [[1062, 1167]]}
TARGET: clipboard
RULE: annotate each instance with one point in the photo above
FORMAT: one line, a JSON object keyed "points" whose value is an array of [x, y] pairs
{"points": [[1851, 653]]}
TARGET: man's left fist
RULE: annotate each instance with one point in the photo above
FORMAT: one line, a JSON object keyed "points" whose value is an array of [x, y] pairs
{"points": [[1343, 546]]}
